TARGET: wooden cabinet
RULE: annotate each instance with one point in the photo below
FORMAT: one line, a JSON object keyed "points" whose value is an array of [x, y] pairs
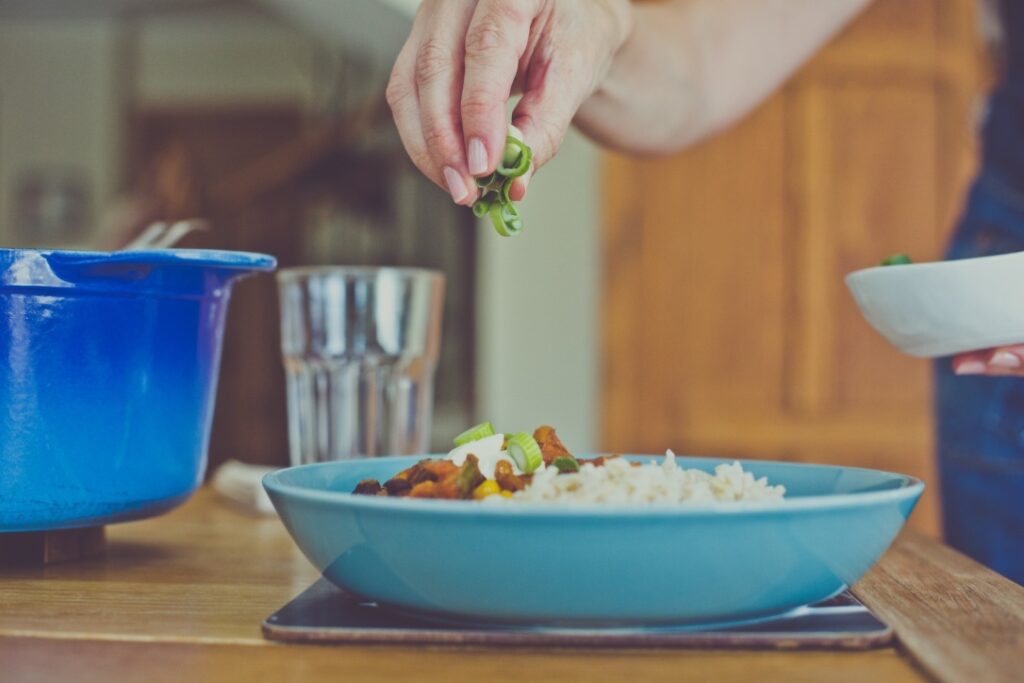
{"points": [[727, 328]]}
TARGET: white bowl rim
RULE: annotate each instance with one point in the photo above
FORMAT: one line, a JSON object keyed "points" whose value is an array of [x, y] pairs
{"points": [[949, 264]]}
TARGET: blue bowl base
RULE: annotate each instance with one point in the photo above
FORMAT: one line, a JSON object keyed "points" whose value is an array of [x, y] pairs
{"points": [[98, 515]]}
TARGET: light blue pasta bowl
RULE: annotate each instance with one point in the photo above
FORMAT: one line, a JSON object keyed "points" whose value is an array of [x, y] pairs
{"points": [[595, 566]]}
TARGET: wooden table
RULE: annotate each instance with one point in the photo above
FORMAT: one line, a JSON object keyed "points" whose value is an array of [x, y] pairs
{"points": [[181, 598]]}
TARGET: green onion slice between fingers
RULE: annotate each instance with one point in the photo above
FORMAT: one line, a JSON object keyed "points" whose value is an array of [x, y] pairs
{"points": [[505, 218], [516, 159], [481, 207], [495, 201], [486, 181]]}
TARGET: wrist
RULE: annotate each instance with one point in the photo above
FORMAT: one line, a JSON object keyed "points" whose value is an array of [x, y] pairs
{"points": [[620, 61], [647, 92]]}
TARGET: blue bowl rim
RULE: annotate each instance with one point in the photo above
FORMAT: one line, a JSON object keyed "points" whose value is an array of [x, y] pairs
{"points": [[218, 258], [909, 488]]}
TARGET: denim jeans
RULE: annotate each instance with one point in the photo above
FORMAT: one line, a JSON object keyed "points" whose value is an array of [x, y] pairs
{"points": [[980, 420]]}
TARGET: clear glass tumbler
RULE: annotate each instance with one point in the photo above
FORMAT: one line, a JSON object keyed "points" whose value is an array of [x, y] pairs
{"points": [[360, 348]]}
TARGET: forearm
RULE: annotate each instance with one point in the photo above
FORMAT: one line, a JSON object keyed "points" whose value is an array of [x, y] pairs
{"points": [[692, 67]]}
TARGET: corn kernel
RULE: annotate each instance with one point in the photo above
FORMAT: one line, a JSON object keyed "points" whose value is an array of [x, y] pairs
{"points": [[488, 488]]}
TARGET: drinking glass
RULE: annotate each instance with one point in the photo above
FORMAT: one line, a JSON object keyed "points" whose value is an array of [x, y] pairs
{"points": [[360, 347]]}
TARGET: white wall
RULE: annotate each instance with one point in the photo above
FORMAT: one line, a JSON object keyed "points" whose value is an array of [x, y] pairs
{"points": [[216, 57], [58, 106], [537, 318], [60, 99]]}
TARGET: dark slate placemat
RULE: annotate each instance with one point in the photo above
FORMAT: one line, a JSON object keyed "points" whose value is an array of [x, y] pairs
{"points": [[325, 614]]}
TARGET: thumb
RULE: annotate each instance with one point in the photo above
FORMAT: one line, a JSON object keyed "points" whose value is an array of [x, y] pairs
{"points": [[495, 40]]}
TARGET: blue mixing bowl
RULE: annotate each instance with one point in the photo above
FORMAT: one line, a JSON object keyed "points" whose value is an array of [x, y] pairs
{"points": [[595, 565], [108, 372]]}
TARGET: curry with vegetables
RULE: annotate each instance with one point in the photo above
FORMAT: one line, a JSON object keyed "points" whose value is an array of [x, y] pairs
{"points": [[510, 461]]}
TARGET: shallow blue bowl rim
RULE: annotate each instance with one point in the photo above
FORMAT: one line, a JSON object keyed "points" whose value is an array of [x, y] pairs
{"points": [[218, 258], [909, 488]]}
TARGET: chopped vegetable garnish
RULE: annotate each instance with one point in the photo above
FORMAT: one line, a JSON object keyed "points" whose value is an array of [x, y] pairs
{"points": [[896, 260], [506, 187], [516, 159], [488, 488], [494, 200], [525, 452], [480, 467], [540, 469], [505, 218], [475, 433], [480, 208], [468, 478], [566, 463]]}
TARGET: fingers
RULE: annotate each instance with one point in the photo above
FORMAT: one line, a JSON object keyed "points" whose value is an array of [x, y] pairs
{"points": [[438, 75], [551, 97], [404, 103], [969, 364], [518, 190], [1003, 361], [423, 94], [451, 83], [495, 40]]}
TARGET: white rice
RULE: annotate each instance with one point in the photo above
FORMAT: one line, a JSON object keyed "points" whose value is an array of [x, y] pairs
{"points": [[619, 482]]}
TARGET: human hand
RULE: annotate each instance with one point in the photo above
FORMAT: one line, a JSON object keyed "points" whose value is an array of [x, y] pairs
{"points": [[464, 58], [1005, 361]]}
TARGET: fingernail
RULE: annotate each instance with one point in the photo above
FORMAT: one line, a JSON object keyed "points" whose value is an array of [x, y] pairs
{"points": [[970, 367], [477, 157], [456, 187], [1005, 360]]}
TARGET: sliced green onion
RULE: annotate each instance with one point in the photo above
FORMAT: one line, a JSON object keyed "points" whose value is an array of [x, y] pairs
{"points": [[516, 159], [494, 200], [525, 452], [566, 463], [475, 433], [481, 207], [896, 260], [505, 218], [513, 150]]}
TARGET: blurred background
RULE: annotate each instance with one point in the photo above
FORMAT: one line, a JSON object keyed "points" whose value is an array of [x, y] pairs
{"points": [[693, 302]]}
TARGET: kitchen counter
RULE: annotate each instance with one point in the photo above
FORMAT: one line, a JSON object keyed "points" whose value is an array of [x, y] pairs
{"points": [[181, 597]]}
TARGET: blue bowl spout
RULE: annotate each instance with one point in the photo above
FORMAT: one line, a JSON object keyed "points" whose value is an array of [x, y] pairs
{"points": [[108, 372]]}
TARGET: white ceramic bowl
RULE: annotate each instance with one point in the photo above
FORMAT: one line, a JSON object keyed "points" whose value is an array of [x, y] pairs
{"points": [[939, 309]]}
